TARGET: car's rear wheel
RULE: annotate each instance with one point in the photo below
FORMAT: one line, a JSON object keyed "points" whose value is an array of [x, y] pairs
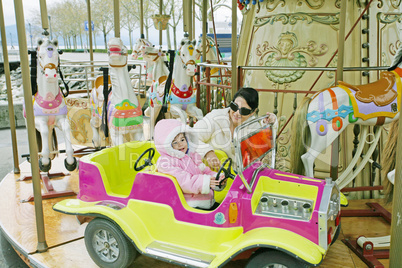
{"points": [[273, 259], [107, 246]]}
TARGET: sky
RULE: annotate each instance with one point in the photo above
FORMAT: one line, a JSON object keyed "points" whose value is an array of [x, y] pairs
{"points": [[8, 9], [30, 5]]}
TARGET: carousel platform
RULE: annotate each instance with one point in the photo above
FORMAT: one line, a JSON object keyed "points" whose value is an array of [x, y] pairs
{"points": [[65, 236]]}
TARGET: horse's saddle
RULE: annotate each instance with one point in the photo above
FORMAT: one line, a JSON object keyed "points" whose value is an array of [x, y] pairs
{"points": [[379, 92]]}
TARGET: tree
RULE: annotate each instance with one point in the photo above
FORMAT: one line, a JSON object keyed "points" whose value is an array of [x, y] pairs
{"points": [[176, 13], [198, 4], [102, 13], [129, 20]]}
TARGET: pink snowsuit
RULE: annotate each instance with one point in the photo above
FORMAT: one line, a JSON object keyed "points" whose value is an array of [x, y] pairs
{"points": [[192, 175]]}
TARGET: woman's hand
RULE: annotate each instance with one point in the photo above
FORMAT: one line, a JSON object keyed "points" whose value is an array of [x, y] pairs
{"points": [[270, 119], [212, 160]]}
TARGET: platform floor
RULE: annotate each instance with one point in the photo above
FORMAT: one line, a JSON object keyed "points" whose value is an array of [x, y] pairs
{"points": [[64, 235]]}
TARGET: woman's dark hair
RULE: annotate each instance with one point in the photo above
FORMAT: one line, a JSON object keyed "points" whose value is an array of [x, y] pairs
{"points": [[250, 95]]}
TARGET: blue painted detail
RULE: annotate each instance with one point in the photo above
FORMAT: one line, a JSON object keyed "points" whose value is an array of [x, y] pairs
{"points": [[314, 116], [176, 100], [329, 114], [344, 110], [219, 218]]}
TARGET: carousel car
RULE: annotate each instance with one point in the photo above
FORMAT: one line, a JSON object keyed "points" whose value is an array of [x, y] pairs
{"points": [[268, 216]]}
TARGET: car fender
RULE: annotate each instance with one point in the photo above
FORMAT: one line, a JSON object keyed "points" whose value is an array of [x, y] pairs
{"points": [[279, 239], [118, 213]]}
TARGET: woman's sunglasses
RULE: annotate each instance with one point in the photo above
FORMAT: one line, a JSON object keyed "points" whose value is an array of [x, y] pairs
{"points": [[242, 111]]}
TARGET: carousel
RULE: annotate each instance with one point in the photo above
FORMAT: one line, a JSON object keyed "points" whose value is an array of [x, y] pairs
{"points": [[311, 192]]}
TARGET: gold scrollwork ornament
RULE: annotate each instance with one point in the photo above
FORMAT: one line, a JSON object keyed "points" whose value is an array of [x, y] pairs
{"points": [[313, 4], [273, 4]]}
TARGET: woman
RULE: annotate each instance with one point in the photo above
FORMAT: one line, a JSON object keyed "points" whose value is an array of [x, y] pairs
{"points": [[215, 130]]}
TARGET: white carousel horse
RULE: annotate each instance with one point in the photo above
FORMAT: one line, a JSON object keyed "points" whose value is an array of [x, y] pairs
{"points": [[329, 112], [182, 93], [211, 56], [124, 116], [160, 74], [139, 48], [49, 106]]}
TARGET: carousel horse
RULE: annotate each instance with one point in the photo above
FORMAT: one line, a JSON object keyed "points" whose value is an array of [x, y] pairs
{"points": [[211, 56], [139, 48], [330, 110], [122, 115], [160, 74], [49, 106], [182, 93]]}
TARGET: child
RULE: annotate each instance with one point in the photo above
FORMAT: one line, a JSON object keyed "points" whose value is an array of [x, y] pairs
{"points": [[175, 142]]}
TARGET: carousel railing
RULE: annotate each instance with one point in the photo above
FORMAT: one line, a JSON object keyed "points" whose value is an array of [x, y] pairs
{"points": [[87, 71], [221, 96]]}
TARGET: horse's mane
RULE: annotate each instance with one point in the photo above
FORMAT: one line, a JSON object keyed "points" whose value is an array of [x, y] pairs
{"points": [[397, 59], [388, 159]]}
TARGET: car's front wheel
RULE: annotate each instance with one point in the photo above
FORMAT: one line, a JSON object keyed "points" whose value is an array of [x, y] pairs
{"points": [[107, 246], [273, 259]]}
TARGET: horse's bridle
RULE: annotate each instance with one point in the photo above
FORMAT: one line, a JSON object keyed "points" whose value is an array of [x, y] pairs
{"points": [[208, 47], [52, 66], [157, 54], [48, 66], [190, 62]]}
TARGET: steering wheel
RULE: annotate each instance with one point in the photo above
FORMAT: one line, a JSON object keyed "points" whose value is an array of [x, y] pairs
{"points": [[151, 153], [226, 172]]}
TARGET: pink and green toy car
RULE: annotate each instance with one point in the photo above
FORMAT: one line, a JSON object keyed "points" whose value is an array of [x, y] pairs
{"points": [[272, 217]]}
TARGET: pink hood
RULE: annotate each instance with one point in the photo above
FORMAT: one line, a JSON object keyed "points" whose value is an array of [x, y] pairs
{"points": [[166, 130]]}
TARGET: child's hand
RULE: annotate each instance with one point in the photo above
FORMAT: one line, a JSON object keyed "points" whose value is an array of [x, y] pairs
{"points": [[213, 183], [222, 180]]}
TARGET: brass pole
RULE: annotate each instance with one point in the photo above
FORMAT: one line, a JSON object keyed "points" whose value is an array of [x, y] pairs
{"points": [[193, 21], [43, 13], [91, 51], [216, 40], [185, 16], [160, 23], [116, 18], [204, 29], [339, 77], [33, 149], [142, 18], [395, 256], [234, 47], [190, 20], [9, 94]]}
